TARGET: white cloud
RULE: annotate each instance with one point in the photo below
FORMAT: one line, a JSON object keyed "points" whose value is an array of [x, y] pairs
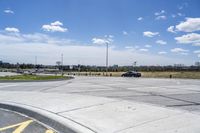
{"points": [[147, 46], [171, 29], [190, 25], [18, 38], [180, 14], [143, 50], [198, 55], [150, 34], [161, 42], [184, 53], [179, 50], [140, 18], [196, 51], [101, 41], [162, 52], [12, 29], [191, 38], [196, 44], [132, 48], [10, 39], [8, 11], [56, 23], [159, 13], [180, 7], [136, 46], [129, 47], [54, 27], [177, 15], [23, 48], [173, 15], [125, 33], [162, 17], [183, 5], [109, 36]]}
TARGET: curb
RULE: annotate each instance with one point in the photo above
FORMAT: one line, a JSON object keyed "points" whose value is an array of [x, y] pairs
{"points": [[59, 123]]}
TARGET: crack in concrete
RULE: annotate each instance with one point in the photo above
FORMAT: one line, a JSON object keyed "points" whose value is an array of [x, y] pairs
{"points": [[49, 88], [147, 122], [182, 105], [90, 106], [178, 99]]}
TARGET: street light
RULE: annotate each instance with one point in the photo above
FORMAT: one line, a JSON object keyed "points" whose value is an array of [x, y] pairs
{"points": [[106, 58], [35, 63], [134, 65], [107, 40], [62, 64]]}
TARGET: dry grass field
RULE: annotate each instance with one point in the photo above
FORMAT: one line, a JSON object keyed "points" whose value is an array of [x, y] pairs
{"points": [[188, 75], [182, 74]]}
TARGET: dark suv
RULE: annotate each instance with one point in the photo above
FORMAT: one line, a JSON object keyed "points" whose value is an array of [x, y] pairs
{"points": [[131, 74]]}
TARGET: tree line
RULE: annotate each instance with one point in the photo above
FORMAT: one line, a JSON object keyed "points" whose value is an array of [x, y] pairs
{"points": [[88, 68]]}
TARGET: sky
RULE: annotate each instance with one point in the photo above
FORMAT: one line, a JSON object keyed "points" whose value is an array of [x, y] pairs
{"points": [[150, 32]]}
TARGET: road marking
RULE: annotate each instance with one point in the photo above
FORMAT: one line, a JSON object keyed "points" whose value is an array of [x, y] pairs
{"points": [[21, 126], [49, 131]]}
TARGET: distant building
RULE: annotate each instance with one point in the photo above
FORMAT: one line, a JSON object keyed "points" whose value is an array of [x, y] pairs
{"points": [[179, 65], [115, 66], [197, 63], [71, 67]]}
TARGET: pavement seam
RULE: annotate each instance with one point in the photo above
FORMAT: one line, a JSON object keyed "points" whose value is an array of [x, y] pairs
{"points": [[147, 122], [180, 105], [178, 99], [169, 87], [153, 94], [49, 88], [85, 107]]}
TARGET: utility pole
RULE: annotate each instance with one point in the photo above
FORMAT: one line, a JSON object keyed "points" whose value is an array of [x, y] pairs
{"points": [[106, 58], [134, 65], [35, 62], [62, 59], [62, 64]]}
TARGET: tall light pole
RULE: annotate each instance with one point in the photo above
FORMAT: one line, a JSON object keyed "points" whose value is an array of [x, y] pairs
{"points": [[134, 65], [106, 58], [62, 64], [62, 59], [35, 62]]}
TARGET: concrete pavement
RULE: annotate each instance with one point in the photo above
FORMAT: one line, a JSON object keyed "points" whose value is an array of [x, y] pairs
{"points": [[104, 104]]}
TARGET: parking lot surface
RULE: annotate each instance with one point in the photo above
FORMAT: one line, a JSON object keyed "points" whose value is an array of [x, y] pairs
{"points": [[115, 104], [11, 122], [175, 93]]}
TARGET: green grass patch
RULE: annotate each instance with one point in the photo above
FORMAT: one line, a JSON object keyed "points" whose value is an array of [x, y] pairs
{"points": [[32, 77]]}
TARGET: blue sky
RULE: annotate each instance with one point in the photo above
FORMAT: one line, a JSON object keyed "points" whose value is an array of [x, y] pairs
{"points": [[156, 32]]}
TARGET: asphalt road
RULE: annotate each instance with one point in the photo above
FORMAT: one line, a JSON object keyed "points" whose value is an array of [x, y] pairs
{"points": [[11, 122], [170, 93]]}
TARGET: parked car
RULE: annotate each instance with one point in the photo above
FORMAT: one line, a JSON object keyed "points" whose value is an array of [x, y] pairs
{"points": [[131, 74]]}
